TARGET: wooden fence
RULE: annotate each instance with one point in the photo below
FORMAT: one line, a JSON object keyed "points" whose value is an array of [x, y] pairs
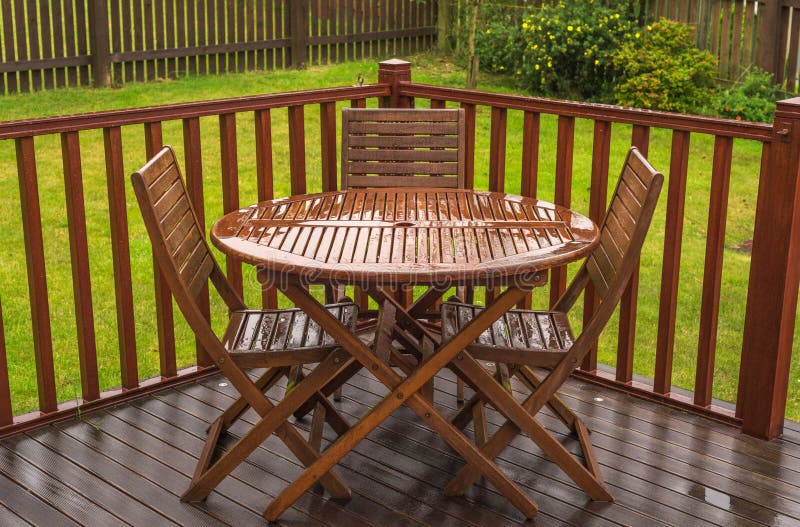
{"points": [[741, 34], [54, 43]]}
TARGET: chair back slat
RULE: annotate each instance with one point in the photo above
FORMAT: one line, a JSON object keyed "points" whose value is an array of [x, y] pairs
{"points": [[402, 147], [171, 220], [628, 210]]}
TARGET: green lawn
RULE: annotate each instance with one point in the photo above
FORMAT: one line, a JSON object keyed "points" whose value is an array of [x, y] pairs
{"points": [[13, 286]]}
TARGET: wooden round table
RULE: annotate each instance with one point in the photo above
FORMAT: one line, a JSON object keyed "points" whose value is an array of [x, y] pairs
{"points": [[379, 238], [407, 236]]}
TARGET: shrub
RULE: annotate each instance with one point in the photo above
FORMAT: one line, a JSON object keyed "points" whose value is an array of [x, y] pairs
{"points": [[569, 47], [752, 100], [500, 45], [664, 70]]}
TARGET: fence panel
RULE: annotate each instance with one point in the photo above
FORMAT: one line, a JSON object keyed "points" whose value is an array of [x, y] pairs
{"points": [[49, 43]]}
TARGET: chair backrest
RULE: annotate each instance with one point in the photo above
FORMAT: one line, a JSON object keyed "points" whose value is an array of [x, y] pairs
{"points": [[177, 238], [402, 148], [626, 222]]}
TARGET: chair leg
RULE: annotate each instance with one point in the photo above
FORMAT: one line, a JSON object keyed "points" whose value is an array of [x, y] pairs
{"points": [[240, 405], [459, 391], [317, 426], [274, 420], [479, 423], [520, 419], [558, 407], [464, 415], [333, 385]]}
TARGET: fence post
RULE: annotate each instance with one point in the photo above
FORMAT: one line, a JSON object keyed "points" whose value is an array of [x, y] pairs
{"points": [[393, 72], [443, 25], [773, 286], [298, 14], [99, 44], [768, 53]]}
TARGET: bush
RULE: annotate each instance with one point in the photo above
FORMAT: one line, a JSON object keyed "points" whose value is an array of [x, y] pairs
{"points": [[569, 47], [664, 70], [752, 100], [500, 45]]}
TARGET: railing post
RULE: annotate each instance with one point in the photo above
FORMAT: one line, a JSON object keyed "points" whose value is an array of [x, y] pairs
{"points": [[393, 72], [98, 38], [298, 16], [774, 276]]}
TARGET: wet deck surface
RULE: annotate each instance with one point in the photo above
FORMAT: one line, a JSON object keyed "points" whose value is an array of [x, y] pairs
{"points": [[127, 465]]}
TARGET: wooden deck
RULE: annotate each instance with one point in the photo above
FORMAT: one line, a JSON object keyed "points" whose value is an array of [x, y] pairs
{"points": [[127, 465]]}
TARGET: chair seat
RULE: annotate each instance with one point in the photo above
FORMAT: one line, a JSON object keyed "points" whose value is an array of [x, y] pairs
{"points": [[261, 338], [536, 338]]}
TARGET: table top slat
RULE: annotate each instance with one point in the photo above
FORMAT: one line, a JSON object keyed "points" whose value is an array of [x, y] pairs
{"points": [[406, 235]]}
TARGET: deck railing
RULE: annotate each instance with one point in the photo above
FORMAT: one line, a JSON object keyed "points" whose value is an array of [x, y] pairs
{"points": [[771, 302]]}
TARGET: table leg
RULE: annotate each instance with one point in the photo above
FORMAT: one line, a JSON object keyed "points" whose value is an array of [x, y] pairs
{"points": [[404, 391]]}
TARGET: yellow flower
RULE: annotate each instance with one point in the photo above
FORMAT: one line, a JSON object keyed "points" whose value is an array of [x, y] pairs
{"points": [[638, 34], [488, 31], [549, 64], [649, 28], [535, 46], [552, 37], [578, 29], [596, 62], [524, 25], [536, 67], [616, 16], [569, 28]]}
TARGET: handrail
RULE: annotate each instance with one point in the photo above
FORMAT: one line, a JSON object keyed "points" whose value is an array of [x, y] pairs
{"points": [[594, 111], [171, 112]]}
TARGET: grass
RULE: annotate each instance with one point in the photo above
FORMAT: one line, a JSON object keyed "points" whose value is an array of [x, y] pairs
{"points": [[427, 69]]}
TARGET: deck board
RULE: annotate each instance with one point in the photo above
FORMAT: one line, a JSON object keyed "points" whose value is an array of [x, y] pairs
{"points": [[127, 465]]}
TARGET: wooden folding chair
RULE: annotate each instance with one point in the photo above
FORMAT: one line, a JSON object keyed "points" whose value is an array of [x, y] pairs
{"points": [[522, 339], [272, 339], [392, 147]]}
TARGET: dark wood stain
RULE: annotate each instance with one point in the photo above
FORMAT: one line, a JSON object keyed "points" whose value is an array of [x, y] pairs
{"points": [[129, 464]]}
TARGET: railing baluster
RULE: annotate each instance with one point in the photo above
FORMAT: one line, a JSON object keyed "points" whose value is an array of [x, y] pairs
{"points": [[79, 255], [469, 145], [297, 150], [361, 296], [327, 123], [263, 123], [670, 273], [530, 154], [497, 149], [563, 192], [194, 187], [120, 251], [712, 275], [153, 142], [37, 282], [626, 336], [230, 188], [497, 165], [6, 412], [598, 195], [437, 104], [529, 172]]}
